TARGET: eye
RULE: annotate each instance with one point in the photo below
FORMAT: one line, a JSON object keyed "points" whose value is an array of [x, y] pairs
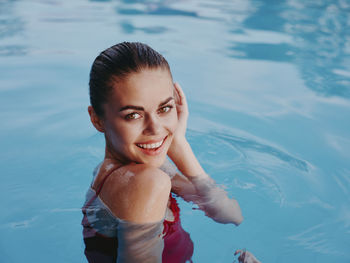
{"points": [[165, 109], [133, 116]]}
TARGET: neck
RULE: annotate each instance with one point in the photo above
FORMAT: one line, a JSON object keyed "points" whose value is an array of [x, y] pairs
{"points": [[114, 158]]}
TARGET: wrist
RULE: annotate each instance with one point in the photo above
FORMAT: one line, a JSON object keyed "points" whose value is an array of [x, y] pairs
{"points": [[180, 152], [178, 146]]}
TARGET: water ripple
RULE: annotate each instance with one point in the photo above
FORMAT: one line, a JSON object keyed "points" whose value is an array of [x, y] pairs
{"points": [[129, 28], [157, 10], [249, 144], [317, 239], [13, 50], [248, 163]]}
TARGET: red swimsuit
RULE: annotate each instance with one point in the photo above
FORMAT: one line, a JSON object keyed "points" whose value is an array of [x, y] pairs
{"points": [[178, 246]]}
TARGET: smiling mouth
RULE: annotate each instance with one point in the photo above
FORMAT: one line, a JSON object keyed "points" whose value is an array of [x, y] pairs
{"points": [[151, 146]]}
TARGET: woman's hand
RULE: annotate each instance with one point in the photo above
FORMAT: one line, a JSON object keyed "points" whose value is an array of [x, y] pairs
{"points": [[182, 112], [180, 151], [246, 256], [179, 142]]}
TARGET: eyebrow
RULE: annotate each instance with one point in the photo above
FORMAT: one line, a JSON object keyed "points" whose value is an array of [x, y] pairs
{"points": [[132, 107]]}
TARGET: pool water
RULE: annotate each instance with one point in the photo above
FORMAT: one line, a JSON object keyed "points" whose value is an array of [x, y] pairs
{"points": [[268, 83]]}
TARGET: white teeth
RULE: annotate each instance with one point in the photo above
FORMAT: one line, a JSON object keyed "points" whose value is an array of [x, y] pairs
{"points": [[151, 145]]}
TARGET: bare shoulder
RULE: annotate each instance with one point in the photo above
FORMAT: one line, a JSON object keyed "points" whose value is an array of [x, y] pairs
{"points": [[137, 193], [151, 174]]}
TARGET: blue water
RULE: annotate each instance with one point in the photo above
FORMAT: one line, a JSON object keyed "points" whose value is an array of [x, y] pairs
{"points": [[268, 83]]}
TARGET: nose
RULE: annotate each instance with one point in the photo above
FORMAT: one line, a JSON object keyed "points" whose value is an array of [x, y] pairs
{"points": [[152, 126]]}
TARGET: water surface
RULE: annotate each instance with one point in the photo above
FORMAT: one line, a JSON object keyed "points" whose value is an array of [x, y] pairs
{"points": [[268, 83]]}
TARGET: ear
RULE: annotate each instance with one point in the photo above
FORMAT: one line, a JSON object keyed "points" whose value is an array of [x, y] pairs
{"points": [[96, 120]]}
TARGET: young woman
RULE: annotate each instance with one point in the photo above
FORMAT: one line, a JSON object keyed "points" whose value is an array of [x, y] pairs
{"points": [[130, 214]]}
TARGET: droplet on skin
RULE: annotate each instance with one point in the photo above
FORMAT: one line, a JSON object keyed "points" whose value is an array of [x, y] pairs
{"points": [[109, 166], [126, 177]]}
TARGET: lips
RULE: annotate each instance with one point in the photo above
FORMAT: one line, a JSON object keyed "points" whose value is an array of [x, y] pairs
{"points": [[151, 147]]}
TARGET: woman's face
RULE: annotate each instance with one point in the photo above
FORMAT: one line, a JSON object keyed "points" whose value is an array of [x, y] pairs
{"points": [[140, 117]]}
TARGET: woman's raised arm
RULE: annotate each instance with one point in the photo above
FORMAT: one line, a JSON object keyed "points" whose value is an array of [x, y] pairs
{"points": [[196, 185]]}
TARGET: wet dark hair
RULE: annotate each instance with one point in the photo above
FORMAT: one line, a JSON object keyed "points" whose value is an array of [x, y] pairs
{"points": [[116, 63]]}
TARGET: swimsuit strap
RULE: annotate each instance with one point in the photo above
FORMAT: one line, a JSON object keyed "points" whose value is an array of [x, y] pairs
{"points": [[104, 180], [99, 189]]}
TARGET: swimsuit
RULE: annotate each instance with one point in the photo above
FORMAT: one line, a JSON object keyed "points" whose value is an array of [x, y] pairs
{"points": [[100, 232]]}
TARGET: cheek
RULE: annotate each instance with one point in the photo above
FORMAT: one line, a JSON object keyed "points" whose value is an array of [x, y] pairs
{"points": [[119, 135], [128, 135], [173, 122]]}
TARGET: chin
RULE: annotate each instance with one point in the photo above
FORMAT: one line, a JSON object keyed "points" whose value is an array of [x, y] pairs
{"points": [[153, 156], [155, 162]]}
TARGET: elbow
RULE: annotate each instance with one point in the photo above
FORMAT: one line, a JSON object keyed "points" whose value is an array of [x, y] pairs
{"points": [[227, 217], [239, 220], [239, 217], [226, 212], [236, 220]]}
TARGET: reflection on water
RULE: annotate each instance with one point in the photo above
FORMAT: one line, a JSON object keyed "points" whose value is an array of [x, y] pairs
{"points": [[320, 46], [10, 26], [154, 9], [271, 52], [129, 28], [12, 50]]}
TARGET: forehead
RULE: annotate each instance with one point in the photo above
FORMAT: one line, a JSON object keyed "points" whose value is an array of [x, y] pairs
{"points": [[147, 87]]}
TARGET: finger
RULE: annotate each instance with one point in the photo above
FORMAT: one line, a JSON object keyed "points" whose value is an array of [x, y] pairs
{"points": [[180, 93], [242, 256], [176, 95]]}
